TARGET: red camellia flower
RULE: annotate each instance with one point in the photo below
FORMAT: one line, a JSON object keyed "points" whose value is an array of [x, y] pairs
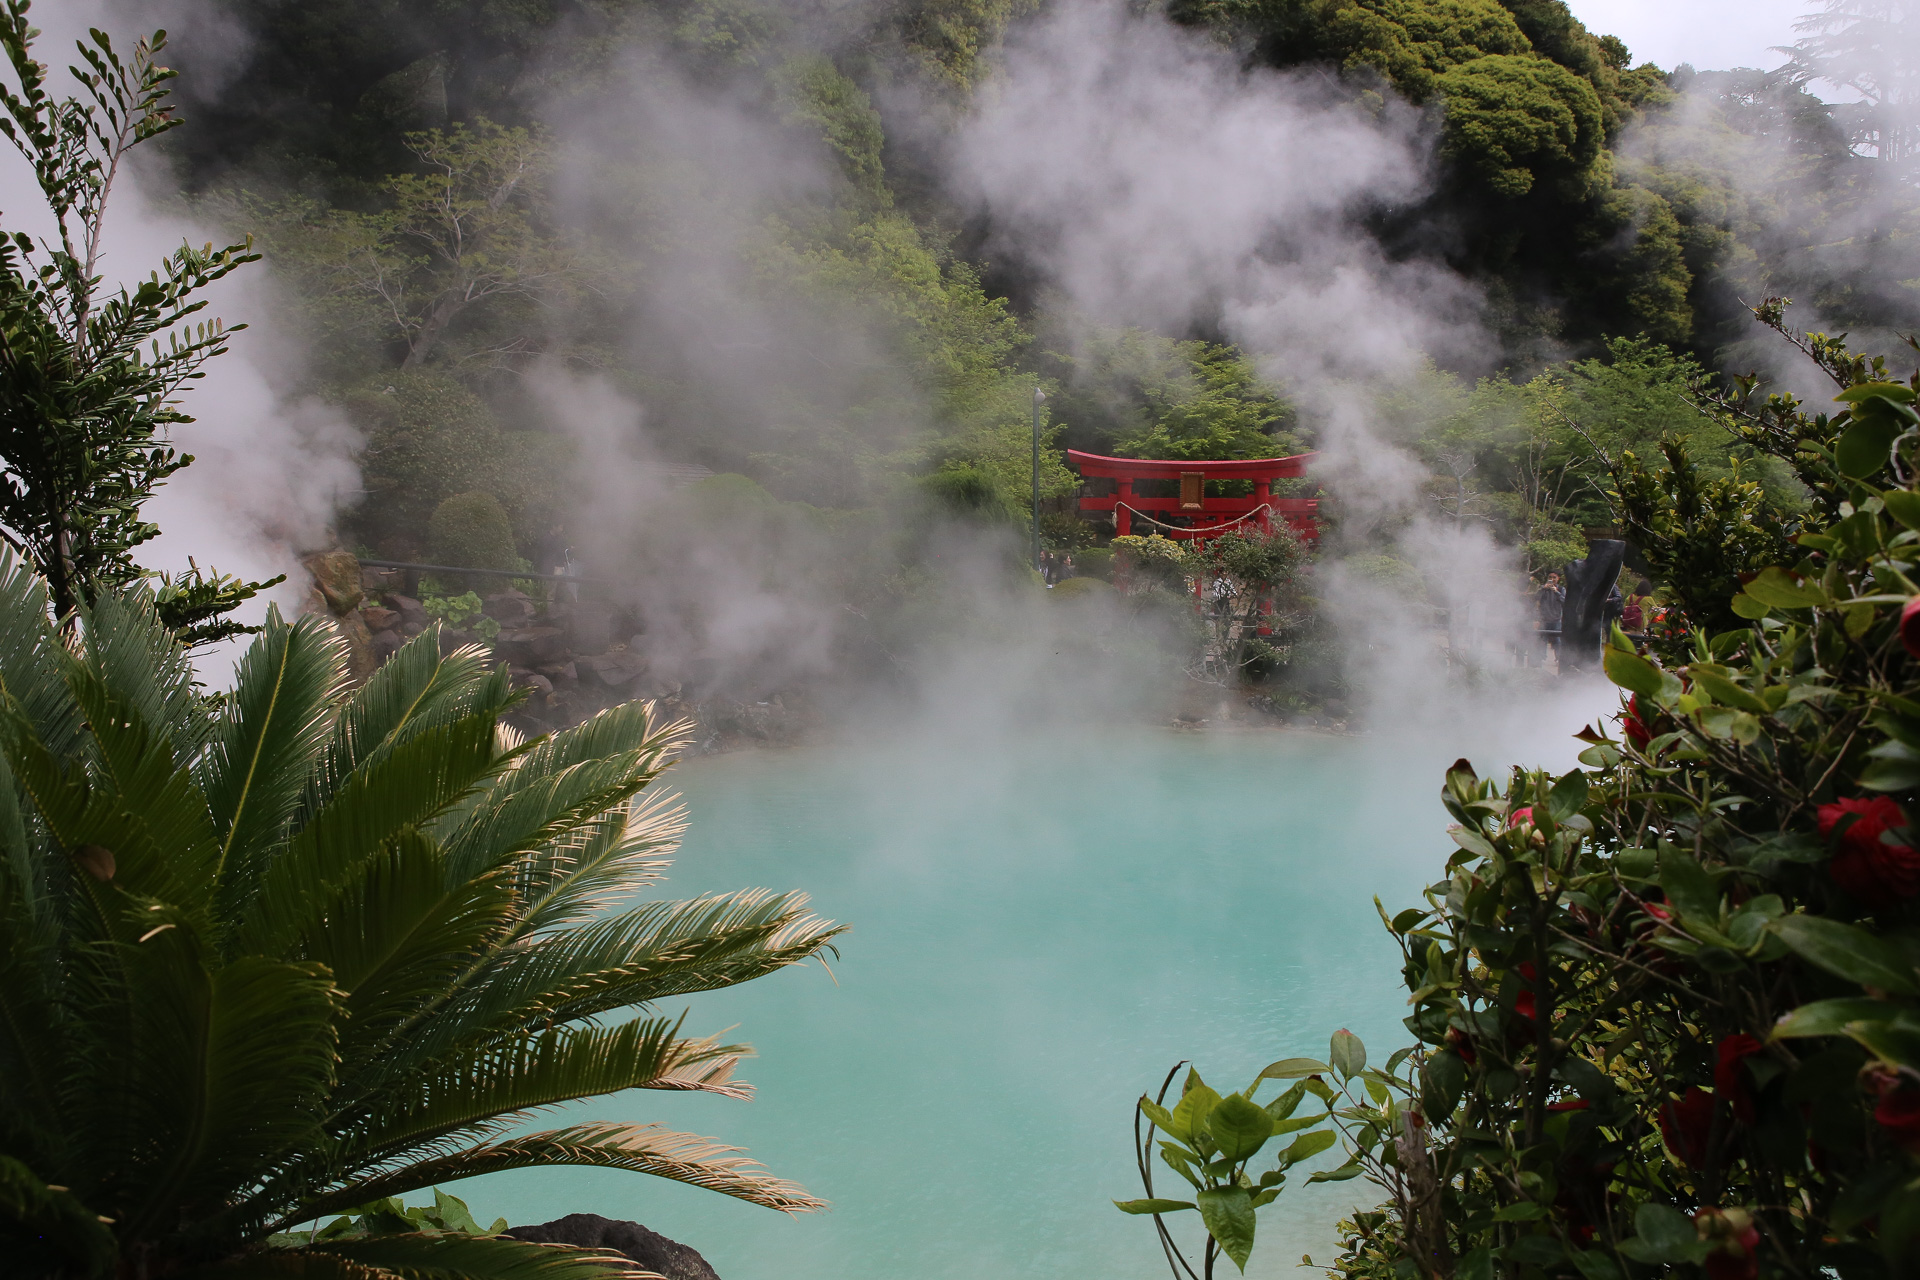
{"points": [[1866, 866], [1460, 1043], [1736, 1243], [1730, 1078], [1633, 726], [1519, 816], [1910, 627], [1687, 1124], [1523, 1003]]}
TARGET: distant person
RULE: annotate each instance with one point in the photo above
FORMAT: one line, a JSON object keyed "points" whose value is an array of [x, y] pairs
{"points": [[1550, 605]]}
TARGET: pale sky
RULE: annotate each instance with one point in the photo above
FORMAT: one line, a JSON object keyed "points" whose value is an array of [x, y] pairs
{"points": [[1711, 34]]}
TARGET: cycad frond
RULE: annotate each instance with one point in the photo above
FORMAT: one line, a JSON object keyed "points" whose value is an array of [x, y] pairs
{"points": [[257, 761], [458, 1257], [407, 788], [683, 1157], [627, 848], [417, 688], [475, 1094], [338, 949]]}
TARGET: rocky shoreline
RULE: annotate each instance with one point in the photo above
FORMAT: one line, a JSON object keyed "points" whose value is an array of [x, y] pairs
{"points": [[573, 658]]}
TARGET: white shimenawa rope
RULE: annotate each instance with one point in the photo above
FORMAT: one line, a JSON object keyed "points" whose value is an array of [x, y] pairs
{"points": [[1212, 528]]}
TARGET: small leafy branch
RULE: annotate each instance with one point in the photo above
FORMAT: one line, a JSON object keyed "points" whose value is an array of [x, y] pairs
{"points": [[87, 389], [1210, 1142]]}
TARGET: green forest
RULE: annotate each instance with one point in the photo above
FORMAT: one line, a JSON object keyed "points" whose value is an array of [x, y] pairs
{"points": [[411, 175]]}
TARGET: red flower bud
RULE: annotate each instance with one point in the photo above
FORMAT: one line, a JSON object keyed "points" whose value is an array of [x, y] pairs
{"points": [[1898, 1111], [1910, 627], [1519, 816], [1736, 1243]]}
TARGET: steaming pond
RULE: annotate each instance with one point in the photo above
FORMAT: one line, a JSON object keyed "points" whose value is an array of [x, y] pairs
{"points": [[1040, 930]]}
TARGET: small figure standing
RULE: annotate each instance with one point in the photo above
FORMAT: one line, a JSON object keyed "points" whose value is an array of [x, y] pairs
{"points": [[1550, 604]]}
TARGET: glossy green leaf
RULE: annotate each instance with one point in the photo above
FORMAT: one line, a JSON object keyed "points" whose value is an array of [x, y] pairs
{"points": [[1727, 692], [1631, 671], [1568, 796], [1151, 1206], [1776, 587], [1228, 1213], [1903, 505], [1239, 1127], [1347, 1054], [1749, 607], [1846, 951], [1293, 1069], [1307, 1146], [1864, 448], [1351, 1169], [1688, 885], [1898, 392]]}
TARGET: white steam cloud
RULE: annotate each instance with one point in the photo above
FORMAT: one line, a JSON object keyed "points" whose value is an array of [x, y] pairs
{"points": [[1157, 181]]}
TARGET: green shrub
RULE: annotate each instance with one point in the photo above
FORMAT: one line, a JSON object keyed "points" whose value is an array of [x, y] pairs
{"points": [[471, 531], [1079, 589], [1094, 562], [1666, 1007], [429, 438]]}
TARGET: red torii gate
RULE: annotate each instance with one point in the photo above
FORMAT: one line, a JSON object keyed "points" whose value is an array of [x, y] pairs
{"points": [[1210, 516]]}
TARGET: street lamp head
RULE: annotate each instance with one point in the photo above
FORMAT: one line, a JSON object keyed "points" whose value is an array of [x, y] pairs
{"points": [[1039, 397]]}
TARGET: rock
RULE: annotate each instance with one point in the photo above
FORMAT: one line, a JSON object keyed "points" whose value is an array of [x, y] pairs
{"points": [[524, 679], [650, 1249], [591, 622], [312, 602], [616, 668], [532, 646], [412, 612], [337, 574], [379, 619], [360, 656], [386, 644], [510, 608], [376, 582]]}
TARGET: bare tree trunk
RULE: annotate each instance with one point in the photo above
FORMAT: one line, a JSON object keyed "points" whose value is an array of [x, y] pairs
{"points": [[437, 322]]}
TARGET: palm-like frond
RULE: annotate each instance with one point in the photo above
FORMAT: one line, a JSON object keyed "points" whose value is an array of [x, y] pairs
{"points": [[260, 755], [683, 1157], [429, 1257], [325, 948]]}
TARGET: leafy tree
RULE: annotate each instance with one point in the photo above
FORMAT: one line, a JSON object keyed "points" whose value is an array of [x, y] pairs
{"points": [[320, 949], [1868, 47], [85, 405], [459, 236], [1664, 1004]]}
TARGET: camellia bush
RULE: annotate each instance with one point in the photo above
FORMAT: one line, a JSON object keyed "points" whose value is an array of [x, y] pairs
{"points": [[1666, 1007]]}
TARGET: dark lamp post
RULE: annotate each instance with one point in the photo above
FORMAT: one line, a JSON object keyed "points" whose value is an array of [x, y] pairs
{"points": [[1039, 398]]}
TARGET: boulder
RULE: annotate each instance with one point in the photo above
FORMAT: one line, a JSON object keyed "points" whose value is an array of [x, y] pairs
{"points": [[532, 646], [509, 608], [361, 659], [337, 574], [650, 1249], [386, 644], [376, 582], [412, 612], [379, 619]]}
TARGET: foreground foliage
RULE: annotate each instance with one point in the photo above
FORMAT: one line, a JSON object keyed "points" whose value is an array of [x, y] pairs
{"points": [[318, 950], [87, 392], [1667, 1006]]}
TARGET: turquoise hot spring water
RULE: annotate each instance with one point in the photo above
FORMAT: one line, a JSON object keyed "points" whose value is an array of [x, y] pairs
{"points": [[1041, 927]]}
